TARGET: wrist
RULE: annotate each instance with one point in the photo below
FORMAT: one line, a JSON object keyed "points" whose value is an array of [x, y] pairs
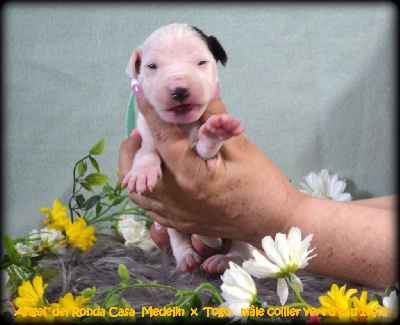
{"points": [[276, 216], [297, 210]]}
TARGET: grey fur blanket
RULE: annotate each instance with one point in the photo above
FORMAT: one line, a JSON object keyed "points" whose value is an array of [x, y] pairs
{"points": [[98, 266]]}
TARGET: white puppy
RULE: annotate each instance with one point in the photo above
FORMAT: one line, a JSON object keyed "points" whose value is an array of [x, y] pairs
{"points": [[177, 70]]}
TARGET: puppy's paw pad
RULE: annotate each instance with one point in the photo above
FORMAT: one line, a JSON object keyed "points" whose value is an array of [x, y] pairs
{"points": [[218, 264], [189, 261], [221, 127]]}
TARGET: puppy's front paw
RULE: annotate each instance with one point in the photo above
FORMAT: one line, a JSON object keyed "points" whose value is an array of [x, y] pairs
{"points": [[142, 176], [217, 264], [221, 127], [188, 260]]}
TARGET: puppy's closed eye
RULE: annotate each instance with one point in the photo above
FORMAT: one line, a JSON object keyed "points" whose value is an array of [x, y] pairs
{"points": [[202, 62]]}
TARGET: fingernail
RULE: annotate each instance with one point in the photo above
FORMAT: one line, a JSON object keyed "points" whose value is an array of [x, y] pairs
{"points": [[134, 131], [195, 236], [217, 91], [158, 226], [137, 89]]}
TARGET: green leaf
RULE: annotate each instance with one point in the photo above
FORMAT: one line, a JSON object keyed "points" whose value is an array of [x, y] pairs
{"points": [[87, 186], [196, 303], [107, 189], [123, 272], [94, 164], [12, 251], [27, 261], [89, 292], [124, 304], [49, 274], [80, 200], [84, 168], [118, 188], [99, 207], [96, 179], [376, 297], [118, 200], [14, 270], [80, 168], [91, 202], [389, 290], [111, 302], [97, 149]]}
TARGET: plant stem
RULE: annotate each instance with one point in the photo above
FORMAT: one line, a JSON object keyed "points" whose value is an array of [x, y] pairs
{"points": [[296, 290], [74, 186]]}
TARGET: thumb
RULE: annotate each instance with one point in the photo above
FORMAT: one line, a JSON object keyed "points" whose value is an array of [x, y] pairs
{"points": [[215, 107]]}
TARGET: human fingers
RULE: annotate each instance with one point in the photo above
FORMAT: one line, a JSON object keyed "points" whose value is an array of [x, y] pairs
{"points": [[184, 226], [127, 151], [160, 236], [204, 250], [215, 107]]}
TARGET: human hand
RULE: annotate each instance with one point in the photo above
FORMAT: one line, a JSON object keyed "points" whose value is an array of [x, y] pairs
{"points": [[239, 194], [160, 236], [242, 195]]}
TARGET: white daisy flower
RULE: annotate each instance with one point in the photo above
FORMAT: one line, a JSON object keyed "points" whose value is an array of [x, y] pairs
{"points": [[391, 304], [287, 256], [47, 238], [238, 290], [326, 186], [34, 238], [134, 232], [25, 250]]}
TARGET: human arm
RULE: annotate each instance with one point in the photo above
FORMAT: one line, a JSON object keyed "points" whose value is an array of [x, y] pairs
{"points": [[242, 195]]}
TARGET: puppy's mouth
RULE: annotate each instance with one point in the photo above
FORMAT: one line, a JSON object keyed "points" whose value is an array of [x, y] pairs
{"points": [[181, 110], [182, 114]]}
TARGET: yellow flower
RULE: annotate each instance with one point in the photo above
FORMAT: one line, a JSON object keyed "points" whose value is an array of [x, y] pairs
{"points": [[30, 296], [79, 235], [364, 311], [68, 303], [31, 299], [338, 302], [57, 217]]}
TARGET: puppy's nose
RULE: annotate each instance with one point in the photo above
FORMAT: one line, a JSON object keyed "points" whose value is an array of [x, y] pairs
{"points": [[180, 94]]}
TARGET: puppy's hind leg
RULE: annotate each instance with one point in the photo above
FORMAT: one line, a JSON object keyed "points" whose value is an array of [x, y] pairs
{"points": [[187, 259], [238, 253]]}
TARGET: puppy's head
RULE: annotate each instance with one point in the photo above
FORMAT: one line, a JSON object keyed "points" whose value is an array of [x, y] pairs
{"points": [[177, 69]]}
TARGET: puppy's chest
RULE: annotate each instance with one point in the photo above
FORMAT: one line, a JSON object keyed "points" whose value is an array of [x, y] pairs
{"points": [[191, 131]]}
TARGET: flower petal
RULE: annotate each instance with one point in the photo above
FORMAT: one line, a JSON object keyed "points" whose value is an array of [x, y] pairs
{"points": [[299, 284], [271, 250], [282, 290], [260, 267], [283, 249]]}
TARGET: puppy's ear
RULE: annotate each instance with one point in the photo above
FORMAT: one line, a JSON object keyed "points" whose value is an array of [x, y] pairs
{"points": [[133, 67], [217, 50], [214, 46]]}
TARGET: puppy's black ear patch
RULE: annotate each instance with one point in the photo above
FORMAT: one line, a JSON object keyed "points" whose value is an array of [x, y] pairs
{"points": [[214, 46]]}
